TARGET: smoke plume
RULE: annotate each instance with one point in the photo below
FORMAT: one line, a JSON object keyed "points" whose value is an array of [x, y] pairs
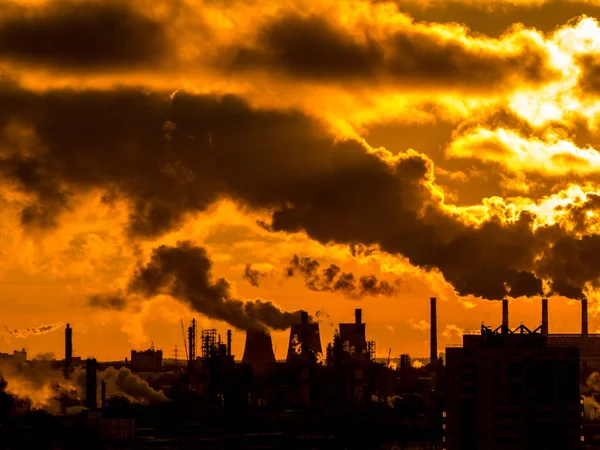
{"points": [[332, 279], [253, 275], [45, 387], [124, 382], [184, 272], [22, 333]]}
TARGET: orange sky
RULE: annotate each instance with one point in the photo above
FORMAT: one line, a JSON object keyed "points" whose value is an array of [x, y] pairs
{"points": [[460, 139]]}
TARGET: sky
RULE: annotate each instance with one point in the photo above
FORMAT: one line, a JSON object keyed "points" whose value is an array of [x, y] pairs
{"points": [[238, 161]]}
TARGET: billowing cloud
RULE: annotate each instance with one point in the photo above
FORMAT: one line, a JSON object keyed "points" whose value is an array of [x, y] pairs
{"points": [[315, 48], [88, 35]]}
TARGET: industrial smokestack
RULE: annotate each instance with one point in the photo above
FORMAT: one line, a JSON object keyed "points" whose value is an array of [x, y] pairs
{"points": [[433, 330], [258, 351], [68, 346], [228, 342], [504, 316], [103, 394], [91, 384], [584, 317], [545, 316], [358, 316]]}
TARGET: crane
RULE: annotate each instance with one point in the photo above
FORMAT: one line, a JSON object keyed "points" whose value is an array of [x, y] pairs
{"points": [[184, 343]]}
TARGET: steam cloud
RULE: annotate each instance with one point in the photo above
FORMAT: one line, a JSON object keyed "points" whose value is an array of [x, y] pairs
{"points": [[43, 386], [22, 333], [184, 272], [332, 279]]}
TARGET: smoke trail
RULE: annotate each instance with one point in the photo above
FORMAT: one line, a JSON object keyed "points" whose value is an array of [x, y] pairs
{"points": [[252, 275], [332, 279], [184, 271], [22, 333]]}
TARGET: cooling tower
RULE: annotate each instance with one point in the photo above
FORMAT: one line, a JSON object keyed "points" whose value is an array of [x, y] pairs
{"points": [[259, 350], [304, 337], [353, 335]]}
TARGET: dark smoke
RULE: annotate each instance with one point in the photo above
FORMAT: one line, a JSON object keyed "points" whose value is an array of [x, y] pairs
{"points": [[333, 190], [252, 275], [332, 279], [184, 272]]}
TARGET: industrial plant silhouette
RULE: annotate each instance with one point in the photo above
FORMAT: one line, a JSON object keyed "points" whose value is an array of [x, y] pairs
{"points": [[503, 388]]}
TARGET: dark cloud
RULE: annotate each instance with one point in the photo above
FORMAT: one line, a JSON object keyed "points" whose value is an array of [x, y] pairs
{"points": [[494, 18], [184, 272], [313, 48], [172, 157], [332, 279], [82, 35]]}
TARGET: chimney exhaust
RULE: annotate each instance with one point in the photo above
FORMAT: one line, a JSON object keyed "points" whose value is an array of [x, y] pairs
{"points": [[228, 342], [358, 316], [433, 329], [504, 316], [584, 317], [545, 316]]}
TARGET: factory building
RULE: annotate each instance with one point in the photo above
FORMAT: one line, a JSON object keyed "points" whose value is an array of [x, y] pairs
{"points": [[511, 389], [146, 361], [17, 357]]}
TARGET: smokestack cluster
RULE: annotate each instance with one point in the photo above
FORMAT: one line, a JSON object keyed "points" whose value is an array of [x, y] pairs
{"points": [[584, 317], [433, 333]]}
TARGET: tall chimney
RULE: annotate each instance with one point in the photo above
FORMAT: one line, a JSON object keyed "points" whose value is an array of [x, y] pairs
{"points": [[433, 331], [91, 384], [68, 346], [504, 316], [545, 316], [228, 342], [103, 394], [358, 316], [584, 317], [304, 317]]}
